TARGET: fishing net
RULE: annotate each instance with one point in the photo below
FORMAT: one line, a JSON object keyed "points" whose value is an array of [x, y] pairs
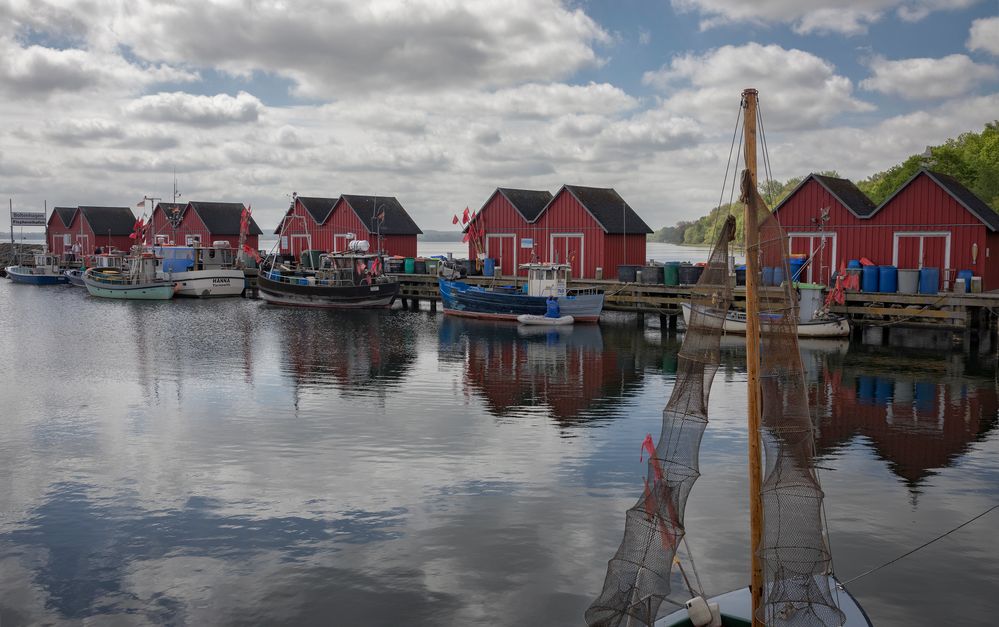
{"points": [[793, 547], [638, 576]]}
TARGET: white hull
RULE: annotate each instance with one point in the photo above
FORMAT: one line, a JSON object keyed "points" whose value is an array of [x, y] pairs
{"points": [[206, 283], [544, 320], [735, 323]]}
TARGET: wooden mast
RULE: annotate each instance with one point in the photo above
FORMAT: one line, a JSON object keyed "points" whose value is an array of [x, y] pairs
{"points": [[753, 356]]}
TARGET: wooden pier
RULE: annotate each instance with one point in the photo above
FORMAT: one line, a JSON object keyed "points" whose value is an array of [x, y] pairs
{"points": [[968, 313]]}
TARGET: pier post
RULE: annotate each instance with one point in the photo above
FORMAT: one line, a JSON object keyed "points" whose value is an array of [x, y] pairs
{"points": [[414, 304], [673, 319], [640, 319], [433, 305], [884, 335]]}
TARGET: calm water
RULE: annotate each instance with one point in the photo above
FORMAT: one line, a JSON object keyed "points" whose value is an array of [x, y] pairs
{"points": [[228, 463]]}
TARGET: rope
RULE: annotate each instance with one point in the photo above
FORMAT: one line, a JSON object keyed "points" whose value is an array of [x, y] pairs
{"points": [[921, 546]]}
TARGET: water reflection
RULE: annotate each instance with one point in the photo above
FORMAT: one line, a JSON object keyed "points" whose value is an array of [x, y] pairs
{"points": [[569, 372]]}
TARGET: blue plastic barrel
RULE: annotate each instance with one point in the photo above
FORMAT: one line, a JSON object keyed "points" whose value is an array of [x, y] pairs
{"points": [[883, 389], [853, 263], [888, 279], [929, 280], [778, 275], [869, 279], [488, 266], [966, 275], [796, 265], [768, 276], [926, 396]]}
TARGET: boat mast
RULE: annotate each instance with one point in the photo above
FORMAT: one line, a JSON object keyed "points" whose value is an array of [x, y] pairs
{"points": [[752, 235]]}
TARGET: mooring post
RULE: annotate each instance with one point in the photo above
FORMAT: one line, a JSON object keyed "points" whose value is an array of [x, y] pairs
{"points": [[673, 318], [433, 305], [641, 319]]}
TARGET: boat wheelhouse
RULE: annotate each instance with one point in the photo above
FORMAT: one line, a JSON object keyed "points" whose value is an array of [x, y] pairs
{"points": [[135, 281], [508, 302]]}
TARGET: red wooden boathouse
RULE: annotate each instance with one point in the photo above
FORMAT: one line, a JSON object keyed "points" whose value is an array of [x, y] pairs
{"points": [[203, 222], [90, 227], [586, 227], [932, 220], [313, 223]]}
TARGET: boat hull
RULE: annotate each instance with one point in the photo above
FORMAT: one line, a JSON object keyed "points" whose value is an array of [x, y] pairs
{"points": [[735, 323], [19, 275], [362, 296], [207, 283], [735, 608], [463, 299], [75, 277], [125, 291]]}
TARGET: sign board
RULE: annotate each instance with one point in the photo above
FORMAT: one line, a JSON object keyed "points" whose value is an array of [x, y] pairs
{"points": [[527, 242], [27, 218]]}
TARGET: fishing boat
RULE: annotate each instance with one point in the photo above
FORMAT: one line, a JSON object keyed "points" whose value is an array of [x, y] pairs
{"points": [[791, 581], [349, 280], [45, 271], [201, 271], [734, 322], [135, 281], [508, 302], [75, 276]]}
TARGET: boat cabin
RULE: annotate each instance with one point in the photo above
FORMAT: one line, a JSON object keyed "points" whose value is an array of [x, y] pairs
{"points": [[546, 279], [345, 269], [109, 260], [187, 258]]}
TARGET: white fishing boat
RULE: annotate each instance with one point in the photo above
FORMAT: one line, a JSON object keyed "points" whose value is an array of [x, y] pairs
{"points": [[734, 322], [201, 271]]}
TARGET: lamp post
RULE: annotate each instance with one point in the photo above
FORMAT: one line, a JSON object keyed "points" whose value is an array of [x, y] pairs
{"points": [[378, 222]]}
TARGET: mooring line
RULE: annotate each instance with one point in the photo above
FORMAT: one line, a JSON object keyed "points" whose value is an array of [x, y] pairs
{"points": [[921, 546]]}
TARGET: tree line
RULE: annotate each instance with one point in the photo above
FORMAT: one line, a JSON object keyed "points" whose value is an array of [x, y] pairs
{"points": [[972, 158]]}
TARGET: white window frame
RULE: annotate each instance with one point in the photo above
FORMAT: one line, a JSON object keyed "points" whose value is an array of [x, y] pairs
{"points": [[898, 235], [512, 237], [346, 241], [84, 242], [305, 236], [67, 239], [582, 249], [810, 235]]}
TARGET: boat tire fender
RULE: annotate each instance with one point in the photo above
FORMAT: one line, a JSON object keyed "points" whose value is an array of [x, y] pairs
{"points": [[698, 612]]}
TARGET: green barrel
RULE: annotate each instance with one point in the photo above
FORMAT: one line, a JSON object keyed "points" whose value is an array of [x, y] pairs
{"points": [[671, 273], [409, 266]]}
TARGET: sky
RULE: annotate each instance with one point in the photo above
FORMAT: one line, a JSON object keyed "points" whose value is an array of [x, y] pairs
{"points": [[438, 102]]}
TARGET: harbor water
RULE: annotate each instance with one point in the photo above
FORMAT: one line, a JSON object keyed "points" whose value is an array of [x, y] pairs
{"points": [[226, 462]]}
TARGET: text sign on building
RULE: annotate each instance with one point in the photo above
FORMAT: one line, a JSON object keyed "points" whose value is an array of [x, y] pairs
{"points": [[27, 218], [527, 242]]}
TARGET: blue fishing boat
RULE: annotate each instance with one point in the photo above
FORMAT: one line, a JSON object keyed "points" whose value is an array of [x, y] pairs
{"points": [[508, 302], [46, 271]]}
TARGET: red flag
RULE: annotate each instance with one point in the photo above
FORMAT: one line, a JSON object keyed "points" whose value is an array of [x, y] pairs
{"points": [[141, 203], [454, 220], [464, 216], [464, 239], [249, 250]]}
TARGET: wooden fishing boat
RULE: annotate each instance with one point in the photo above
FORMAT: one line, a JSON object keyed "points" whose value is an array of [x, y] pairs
{"points": [[348, 280], [791, 577], [45, 271], [545, 321], [508, 302], [137, 281]]}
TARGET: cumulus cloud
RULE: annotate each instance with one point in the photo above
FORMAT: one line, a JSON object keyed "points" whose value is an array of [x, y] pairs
{"points": [[333, 49], [848, 17], [35, 71], [798, 89], [927, 78], [985, 35], [207, 111]]}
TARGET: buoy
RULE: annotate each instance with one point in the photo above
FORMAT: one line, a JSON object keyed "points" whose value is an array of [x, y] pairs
{"points": [[698, 612]]}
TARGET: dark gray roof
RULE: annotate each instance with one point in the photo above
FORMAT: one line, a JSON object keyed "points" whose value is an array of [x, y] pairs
{"points": [[848, 194], [222, 218], [609, 209], [529, 203], [109, 220], [319, 208], [65, 214], [397, 221], [966, 198]]}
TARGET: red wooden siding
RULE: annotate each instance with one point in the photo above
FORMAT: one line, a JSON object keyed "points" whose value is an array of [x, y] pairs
{"points": [[617, 252], [920, 211], [191, 225], [79, 231], [498, 217], [331, 235]]}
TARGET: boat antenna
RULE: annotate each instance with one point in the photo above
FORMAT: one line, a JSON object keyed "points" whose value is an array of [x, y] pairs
{"points": [[752, 239]]}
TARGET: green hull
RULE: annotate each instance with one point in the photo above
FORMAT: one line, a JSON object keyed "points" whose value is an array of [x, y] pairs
{"points": [[156, 291]]}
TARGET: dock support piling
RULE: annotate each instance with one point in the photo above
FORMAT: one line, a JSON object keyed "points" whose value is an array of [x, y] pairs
{"points": [[433, 305], [640, 319]]}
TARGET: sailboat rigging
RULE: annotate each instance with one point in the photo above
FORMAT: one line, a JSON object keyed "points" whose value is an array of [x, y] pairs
{"points": [[791, 581]]}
